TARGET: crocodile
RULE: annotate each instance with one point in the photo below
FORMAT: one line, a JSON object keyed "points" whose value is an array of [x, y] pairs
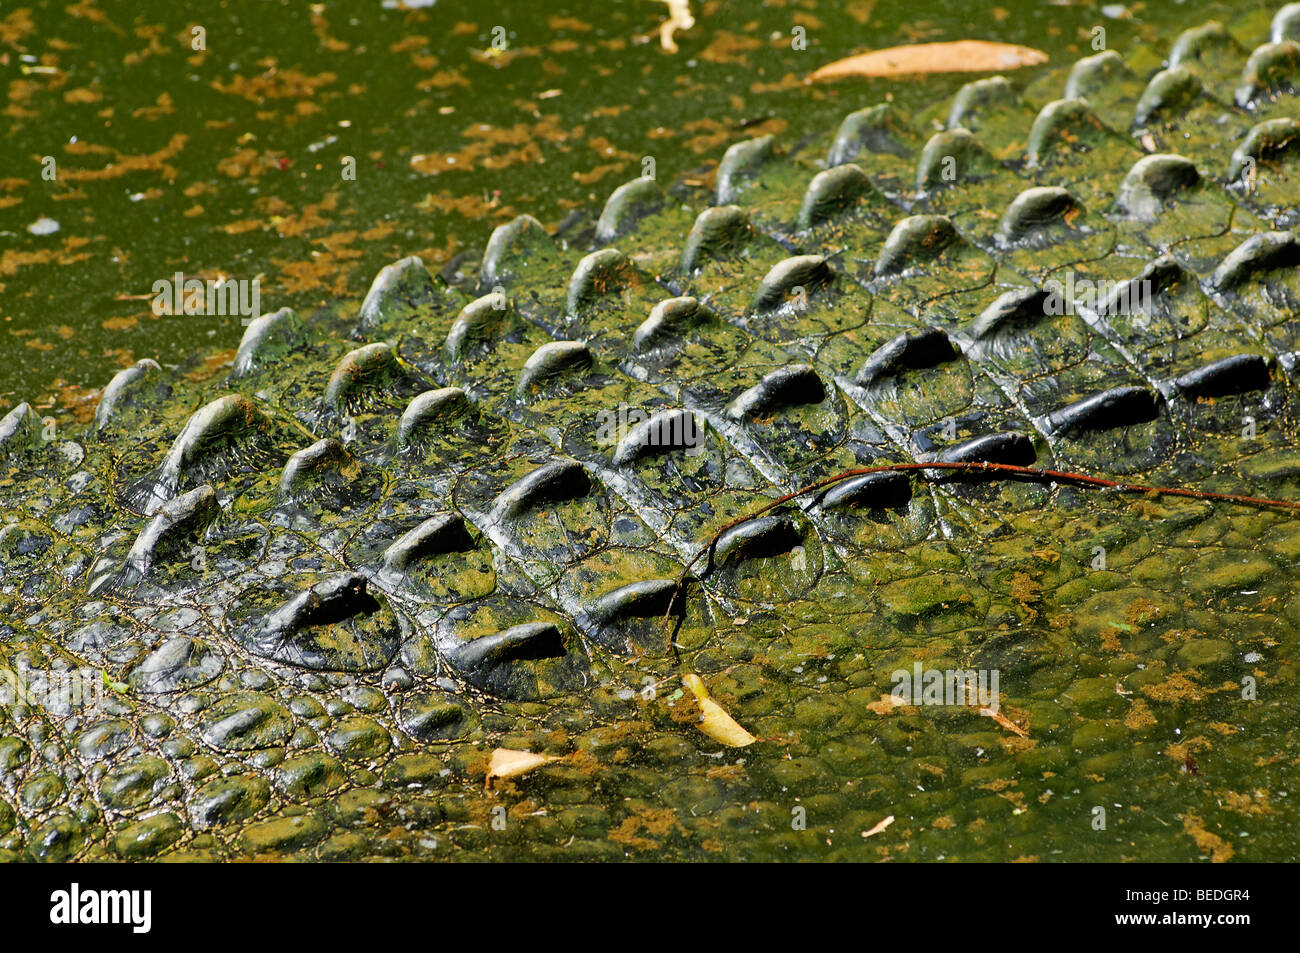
{"points": [[301, 605]]}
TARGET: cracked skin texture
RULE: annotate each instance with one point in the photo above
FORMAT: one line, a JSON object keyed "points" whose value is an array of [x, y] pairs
{"points": [[318, 665]]}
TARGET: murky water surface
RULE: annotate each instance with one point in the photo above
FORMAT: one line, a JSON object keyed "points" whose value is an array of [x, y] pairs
{"points": [[229, 161]]}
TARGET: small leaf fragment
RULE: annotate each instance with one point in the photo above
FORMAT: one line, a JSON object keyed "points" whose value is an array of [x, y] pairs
{"points": [[715, 722], [508, 763], [879, 827]]}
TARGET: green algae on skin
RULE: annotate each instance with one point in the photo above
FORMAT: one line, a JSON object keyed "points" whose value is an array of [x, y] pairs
{"points": [[356, 738]]}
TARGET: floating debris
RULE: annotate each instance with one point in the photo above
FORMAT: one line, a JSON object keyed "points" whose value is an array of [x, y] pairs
{"points": [[879, 827], [679, 18], [43, 226], [958, 56], [508, 763], [715, 722]]}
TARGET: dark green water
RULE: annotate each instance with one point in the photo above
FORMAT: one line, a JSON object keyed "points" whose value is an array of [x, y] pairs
{"points": [[229, 161]]}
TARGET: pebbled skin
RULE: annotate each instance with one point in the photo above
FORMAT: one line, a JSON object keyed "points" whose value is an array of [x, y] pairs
{"points": [[444, 523]]}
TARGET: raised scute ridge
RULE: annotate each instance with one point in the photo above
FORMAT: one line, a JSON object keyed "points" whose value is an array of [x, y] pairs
{"points": [[1170, 93], [645, 599], [298, 631], [550, 483], [1037, 211], [787, 386], [1117, 407], [531, 640], [627, 205], [1153, 181], [429, 411], [1208, 43], [910, 350], [308, 465], [444, 533], [397, 290], [551, 360], [668, 319], [1160, 275], [914, 240], [876, 129], [266, 338], [127, 387], [1266, 141], [758, 538], [20, 431], [1009, 447], [1286, 24], [596, 275], [833, 193], [512, 247], [1066, 125], [1256, 255], [718, 232], [1018, 308], [1238, 374], [180, 520], [1272, 69], [741, 162], [871, 491], [809, 272], [970, 160], [484, 319], [1093, 73], [360, 370], [980, 96], [227, 420], [667, 431]]}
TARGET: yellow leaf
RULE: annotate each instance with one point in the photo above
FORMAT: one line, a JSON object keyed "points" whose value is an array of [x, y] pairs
{"points": [[959, 56], [507, 763], [716, 723]]}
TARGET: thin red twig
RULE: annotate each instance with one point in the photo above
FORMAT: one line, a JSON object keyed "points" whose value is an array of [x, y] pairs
{"points": [[1011, 469]]}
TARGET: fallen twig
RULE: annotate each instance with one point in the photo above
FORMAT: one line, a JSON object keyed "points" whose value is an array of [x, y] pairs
{"points": [[1009, 469]]}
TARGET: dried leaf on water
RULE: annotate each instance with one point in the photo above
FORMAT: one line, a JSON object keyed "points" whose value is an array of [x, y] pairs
{"points": [[879, 827], [508, 763], [958, 56], [715, 722]]}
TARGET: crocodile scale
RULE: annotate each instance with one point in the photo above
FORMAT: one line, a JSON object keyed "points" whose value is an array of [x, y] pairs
{"points": [[388, 542]]}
